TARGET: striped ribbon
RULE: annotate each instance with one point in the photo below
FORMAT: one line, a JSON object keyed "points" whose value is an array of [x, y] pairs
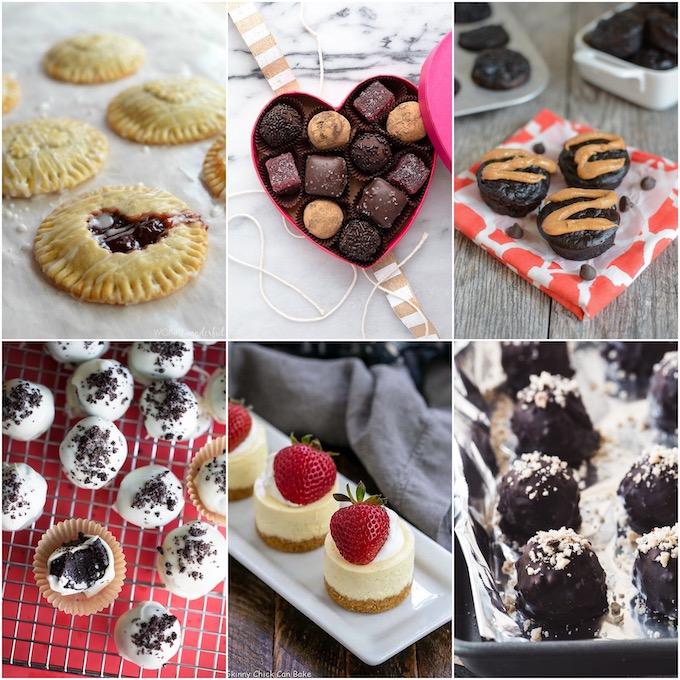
{"points": [[262, 45]]}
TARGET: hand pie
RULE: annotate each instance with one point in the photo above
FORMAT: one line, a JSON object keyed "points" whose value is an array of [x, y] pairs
{"points": [[10, 93], [215, 167]]}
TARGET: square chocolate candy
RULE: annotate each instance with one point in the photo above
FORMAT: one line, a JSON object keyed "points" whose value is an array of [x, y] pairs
{"points": [[382, 202], [374, 102], [409, 174], [283, 174], [325, 175]]}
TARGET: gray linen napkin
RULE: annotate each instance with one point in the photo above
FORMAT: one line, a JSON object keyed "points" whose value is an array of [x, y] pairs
{"points": [[377, 412]]}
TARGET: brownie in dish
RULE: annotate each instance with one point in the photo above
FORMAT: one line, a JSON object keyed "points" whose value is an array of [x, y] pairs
{"points": [[620, 35], [594, 160], [630, 364], [537, 493], [663, 394], [662, 32], [649, 490], [560, 580], [550, 416], [523, 358], [469, 12], [514, 181], [579, 224], [484, 38], [658, 60], [501, 69], [655, 570]]}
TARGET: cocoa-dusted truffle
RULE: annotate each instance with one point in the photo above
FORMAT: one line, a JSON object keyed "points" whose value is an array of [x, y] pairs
{"points": [[522, 358], [663, 394], [281, 125], [409, 174], [283, 174], [405, 122], [382, 202], [374, 102], [550, 416], [630, 364], [559, 579], [359, 241], [325, 175], [328, 130], [650, 490], [370, 152], [655, 571], [538, 492], [322, 218]]}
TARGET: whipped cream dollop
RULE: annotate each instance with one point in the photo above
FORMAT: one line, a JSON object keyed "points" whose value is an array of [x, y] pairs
{"points": [[247, 442]]}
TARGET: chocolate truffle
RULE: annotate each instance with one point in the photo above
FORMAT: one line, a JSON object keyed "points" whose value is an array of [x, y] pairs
{"points": [[522, 358], [650, 490], [655, 571], [328, 130], [663, 394], [359, 241], [283, 174], [538, 492], [409, 174], [370, 152], [325, 175], [550, 416], [322, 218], [374, 102], [382, 202], [281, 125], [559, 579], [630, 364], [405, 122]]}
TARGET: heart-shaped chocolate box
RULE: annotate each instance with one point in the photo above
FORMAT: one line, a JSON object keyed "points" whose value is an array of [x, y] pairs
{"points": [[292, 206]]}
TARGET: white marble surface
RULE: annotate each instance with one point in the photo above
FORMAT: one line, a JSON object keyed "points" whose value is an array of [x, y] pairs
{"points": [[180, 39], [358, 40]]}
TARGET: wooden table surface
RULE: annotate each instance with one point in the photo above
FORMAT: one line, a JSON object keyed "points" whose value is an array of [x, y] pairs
{"points": [[490, 300], [269, 637]]}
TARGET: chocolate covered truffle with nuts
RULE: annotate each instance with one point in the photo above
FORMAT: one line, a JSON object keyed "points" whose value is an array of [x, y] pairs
{"points": [[328, 130], [655, 571], [523, 358], [630, 364], [663, 394]]}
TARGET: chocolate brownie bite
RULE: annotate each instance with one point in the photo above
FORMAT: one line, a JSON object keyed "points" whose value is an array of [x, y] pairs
{"points": [[537, 493], [594, 160], [501, 69], [649, 490], [382, 202], [469, 12], [514, 181], [359, 241], [579, 224], [484, 38], [374, 102], [620, 35], [655, 570], [550, 416], [658, 60], [281, 125], [663, 394], [521, 359], [662, 32], [283, 174], [409, 174], [560, 580], [630, 364], [370, 152]]}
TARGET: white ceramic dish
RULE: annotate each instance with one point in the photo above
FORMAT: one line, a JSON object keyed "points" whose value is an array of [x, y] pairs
{"points": [[645, 87], [474, 99], [298, 578]]}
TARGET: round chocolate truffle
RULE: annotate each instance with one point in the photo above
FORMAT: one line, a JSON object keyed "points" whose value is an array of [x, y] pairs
{"points": [[663, 394], [370, 152], [538, 492], [650, 490], [328, 130], [281, 125], [405, 122], [550, 416], [521, 359], [322, 218], [630, 364], [559, 579], [359, 241], [655, 571]]}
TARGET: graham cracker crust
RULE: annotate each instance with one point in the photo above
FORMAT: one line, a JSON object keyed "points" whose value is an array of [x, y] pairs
{"points": [[240, 494], [368, 606], [284, 545]]}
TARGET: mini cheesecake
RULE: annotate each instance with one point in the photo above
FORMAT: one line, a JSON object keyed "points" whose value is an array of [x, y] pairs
{"points": [[247, 452]]}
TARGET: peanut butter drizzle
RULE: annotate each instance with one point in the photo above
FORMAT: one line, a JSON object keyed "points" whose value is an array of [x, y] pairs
{"points": [[511, 161], [587, 169], [558, 223]]}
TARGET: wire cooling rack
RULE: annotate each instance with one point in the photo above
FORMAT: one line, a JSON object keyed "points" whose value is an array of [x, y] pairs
{"points": [[34, 634]]}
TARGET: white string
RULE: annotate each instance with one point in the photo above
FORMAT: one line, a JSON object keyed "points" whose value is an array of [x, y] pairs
{"points": [[319, 51], [284, 221]]}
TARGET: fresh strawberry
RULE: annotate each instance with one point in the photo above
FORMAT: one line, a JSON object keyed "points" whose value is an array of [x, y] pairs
{"points": [[303, 472], [240, 423], [360, 529]]}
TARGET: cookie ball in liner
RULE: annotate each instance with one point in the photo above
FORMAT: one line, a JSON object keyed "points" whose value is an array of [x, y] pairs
{"points": [[206, 481]]}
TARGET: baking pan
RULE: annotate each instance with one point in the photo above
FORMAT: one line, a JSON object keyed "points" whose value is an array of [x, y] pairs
{"points": [[474, 99]]}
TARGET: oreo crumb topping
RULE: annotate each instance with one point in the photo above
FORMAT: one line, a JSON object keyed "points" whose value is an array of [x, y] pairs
{"points": [[154, 634], [79, 568], [20, 402], [216, 473], [155, 493], [14, 501], [105, 384], [95, 449]]}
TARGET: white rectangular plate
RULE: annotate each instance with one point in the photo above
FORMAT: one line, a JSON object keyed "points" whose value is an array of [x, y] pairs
{"points": [[298, 578]]}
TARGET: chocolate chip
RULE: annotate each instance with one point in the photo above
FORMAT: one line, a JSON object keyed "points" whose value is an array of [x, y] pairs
{"points": [[648, 183], [515, 231], [625, 204], [539, 148], [587, 272]]}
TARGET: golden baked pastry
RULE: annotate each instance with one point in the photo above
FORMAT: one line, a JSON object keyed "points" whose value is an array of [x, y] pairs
{"points": [[215, 167], [95, 58], [10, 93], [169, 111], [49, 154], [121, 245]]}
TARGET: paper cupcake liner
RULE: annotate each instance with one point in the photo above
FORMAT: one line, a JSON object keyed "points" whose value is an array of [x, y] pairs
{"points": [[210, 450], [77, 604]]}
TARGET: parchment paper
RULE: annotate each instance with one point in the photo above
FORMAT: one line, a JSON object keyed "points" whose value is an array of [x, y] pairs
{"points": [[180, 39]]}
